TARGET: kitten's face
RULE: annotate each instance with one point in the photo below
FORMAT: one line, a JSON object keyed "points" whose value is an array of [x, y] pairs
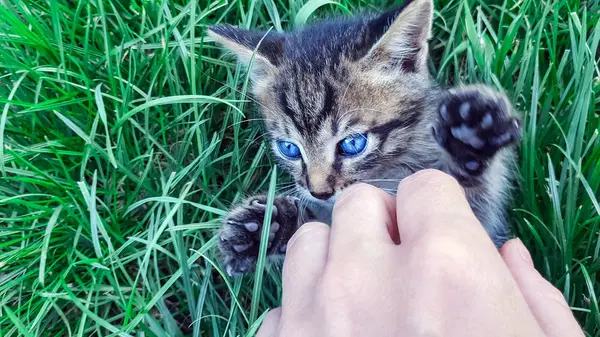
{"points": [[343, 124], [343, 102]]}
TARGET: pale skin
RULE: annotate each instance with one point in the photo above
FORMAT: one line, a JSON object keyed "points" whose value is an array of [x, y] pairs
{"points": [[419, 264]]}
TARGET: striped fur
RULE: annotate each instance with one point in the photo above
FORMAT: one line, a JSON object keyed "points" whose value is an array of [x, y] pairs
{"points": [[365, 74]]}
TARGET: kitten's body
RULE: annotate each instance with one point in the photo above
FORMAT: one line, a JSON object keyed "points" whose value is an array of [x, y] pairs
{"points": [[325, 84]]}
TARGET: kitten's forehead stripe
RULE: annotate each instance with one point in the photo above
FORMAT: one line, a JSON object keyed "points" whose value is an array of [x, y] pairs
{"points": [[327, 106], [334, 126], [283, 101], [328, 100]]}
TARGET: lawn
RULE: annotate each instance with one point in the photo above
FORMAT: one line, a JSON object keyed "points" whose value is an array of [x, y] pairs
{"points": [[125, 136]]}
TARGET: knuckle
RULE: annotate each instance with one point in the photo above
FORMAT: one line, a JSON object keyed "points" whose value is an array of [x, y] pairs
{"points": [[429, 177], [428, 180], [445, 258], [553, 293]]}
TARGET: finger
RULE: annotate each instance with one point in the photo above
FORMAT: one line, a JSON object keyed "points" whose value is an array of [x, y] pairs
{"points": [[362, 213], [547, 303], [431, 202], [269, 325], [303, 266]]}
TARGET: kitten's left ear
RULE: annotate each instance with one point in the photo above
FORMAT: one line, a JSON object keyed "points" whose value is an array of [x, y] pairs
{"points": [[404, 43], [263, 49]]}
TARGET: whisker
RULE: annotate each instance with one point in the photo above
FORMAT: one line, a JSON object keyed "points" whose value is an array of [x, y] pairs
{"points": [[382, 180], [344, 95]]}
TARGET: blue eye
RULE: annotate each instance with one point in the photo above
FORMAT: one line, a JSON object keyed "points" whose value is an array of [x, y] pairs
{"points": [[353, 145], [289, 150]]}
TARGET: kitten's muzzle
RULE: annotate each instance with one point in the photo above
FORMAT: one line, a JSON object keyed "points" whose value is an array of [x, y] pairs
{"points": [[322, 195]]}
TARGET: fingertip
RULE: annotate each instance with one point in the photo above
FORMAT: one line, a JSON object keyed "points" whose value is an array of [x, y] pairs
{"points": [[429, 177], [307, 232], [546, 302], [358, 194], [515, 252], [363, 212]]}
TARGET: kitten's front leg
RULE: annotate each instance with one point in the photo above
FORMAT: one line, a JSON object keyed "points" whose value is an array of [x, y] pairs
{"points": [[475, 127], [241, 233], [475, 123]]}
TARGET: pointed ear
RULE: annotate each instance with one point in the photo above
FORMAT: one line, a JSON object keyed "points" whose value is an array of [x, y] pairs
{"points": [[405, 32], [263, 49]]}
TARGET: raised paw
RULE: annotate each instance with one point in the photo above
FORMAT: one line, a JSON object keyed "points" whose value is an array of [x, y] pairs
{"points": [[474, 124], [240, 236]]}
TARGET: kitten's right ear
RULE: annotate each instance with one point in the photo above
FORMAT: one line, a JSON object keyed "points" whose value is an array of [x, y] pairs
{"points": [[402, 37], [263, 49]]}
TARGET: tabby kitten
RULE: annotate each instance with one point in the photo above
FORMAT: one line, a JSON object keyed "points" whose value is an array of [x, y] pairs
{"points": [[351, 100]]}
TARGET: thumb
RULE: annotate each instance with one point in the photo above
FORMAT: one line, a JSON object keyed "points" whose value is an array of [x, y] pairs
{"points": [[547, 303]]}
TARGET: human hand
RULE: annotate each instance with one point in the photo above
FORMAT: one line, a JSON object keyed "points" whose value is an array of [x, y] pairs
{"points": [[446, 278]]}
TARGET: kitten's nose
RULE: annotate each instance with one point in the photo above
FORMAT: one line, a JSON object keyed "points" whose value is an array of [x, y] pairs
{"points": [[322, 195]]}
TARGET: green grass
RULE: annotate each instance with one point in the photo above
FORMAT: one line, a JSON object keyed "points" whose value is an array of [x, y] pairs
{"points": [[124, 136]]}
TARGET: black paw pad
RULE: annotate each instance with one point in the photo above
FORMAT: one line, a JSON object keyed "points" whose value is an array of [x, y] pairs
{"points": [[474, 126], [240, 236]]}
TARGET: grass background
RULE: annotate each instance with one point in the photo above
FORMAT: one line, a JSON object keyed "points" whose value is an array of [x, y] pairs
{"points": [[124, 136]]}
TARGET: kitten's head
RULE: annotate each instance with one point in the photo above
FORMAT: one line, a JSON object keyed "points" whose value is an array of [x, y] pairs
{"points": [[343, 100]]}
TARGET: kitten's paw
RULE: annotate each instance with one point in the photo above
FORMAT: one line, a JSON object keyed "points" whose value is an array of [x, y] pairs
{"points": [[240, 236], [474, 124]]}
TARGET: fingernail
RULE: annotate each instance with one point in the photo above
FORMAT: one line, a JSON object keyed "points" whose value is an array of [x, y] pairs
{"points": [[525, 255]]}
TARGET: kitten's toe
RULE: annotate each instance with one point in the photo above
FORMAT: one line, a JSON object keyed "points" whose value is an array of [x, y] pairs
{"points": [[251, 226], [474, 125], [237, 267], [486, 121], [241, 234]]}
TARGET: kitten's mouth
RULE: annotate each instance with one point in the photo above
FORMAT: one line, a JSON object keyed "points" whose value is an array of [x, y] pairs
{"points": [[329, 201]]}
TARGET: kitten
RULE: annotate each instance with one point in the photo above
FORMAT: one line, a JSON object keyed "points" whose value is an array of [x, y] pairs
{"points": [[351, 100]]}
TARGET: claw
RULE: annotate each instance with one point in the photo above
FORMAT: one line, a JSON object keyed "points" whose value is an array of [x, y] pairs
{"points": [[226, 235], [244, 267], [256, 203], [439, 137], [444, 112]]}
